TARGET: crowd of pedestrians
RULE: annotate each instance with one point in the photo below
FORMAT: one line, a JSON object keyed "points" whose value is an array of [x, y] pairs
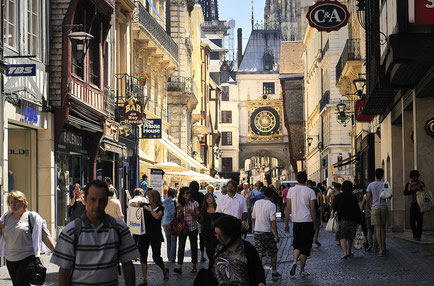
{"points": [[97, 234]]}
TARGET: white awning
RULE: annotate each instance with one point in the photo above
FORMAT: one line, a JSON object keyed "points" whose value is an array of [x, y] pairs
{"points": [[180, 154]]}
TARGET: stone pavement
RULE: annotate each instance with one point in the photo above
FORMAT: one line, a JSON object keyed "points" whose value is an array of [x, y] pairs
{"points": [[403, 264]]}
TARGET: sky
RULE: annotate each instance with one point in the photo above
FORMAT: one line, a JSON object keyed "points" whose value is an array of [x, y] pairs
{"points": [[241, 12]]}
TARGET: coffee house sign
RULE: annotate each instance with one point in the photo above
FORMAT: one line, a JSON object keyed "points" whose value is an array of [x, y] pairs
{"points": [[327, 16]]}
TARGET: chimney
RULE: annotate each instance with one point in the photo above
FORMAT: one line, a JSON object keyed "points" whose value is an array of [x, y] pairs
{"points": [[240, 46]]}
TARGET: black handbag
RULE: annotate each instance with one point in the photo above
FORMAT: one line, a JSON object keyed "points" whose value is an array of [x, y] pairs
{"points": [[39, 273]]}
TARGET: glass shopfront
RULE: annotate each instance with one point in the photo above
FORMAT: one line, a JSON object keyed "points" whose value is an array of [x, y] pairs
{"points": [[72, 167]]}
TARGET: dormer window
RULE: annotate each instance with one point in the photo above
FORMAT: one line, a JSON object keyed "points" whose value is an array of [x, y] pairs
{"points": [[268, 61]]}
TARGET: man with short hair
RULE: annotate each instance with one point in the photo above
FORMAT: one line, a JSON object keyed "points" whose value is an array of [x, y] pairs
{"points": [[257, 190], [233, 204], [81, 254], [264, 219], [379, 209], [143, 183], [301, 203]]}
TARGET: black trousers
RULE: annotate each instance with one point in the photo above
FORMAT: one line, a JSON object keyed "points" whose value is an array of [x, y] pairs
{"points": [[416, 220], [21, 271], [192, 236], [143, 245], [210, 245], [201, 242]]}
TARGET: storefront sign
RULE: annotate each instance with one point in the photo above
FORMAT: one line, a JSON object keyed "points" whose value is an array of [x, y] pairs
{"points": [[429, 127], [30, 115], [151, 129], [156, 180], [21, 70], [360, 117], [327, 16], [133, 112], [73, 141], [424, 12]]}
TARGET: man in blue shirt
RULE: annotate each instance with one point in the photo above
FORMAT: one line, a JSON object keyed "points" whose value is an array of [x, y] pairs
{"points": [[257, 190]]}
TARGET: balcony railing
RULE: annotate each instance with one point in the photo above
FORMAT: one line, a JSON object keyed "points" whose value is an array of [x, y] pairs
{"points": [[325, 99], [182, 84], [126, 87], [142, 17], [351, 52]]}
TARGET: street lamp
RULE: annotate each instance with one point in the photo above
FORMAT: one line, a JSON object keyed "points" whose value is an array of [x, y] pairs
{"points": [[342, 117], [79, 38], [360, 85]]}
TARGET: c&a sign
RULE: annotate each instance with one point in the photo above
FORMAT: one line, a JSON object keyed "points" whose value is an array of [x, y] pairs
{"points": [[327, 16], [360, 117]]}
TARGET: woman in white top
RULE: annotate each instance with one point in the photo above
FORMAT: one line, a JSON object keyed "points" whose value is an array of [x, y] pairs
{"points": [[113, 207], [22, 233]]}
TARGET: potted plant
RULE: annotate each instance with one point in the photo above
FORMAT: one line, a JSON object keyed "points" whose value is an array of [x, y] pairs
{"points": [[142, 77]]}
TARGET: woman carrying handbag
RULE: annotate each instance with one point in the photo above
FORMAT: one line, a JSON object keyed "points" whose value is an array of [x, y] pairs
{"points": [[23, 235]]}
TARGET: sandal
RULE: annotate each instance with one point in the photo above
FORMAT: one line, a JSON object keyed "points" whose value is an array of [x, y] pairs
{"points": [[144, 283], [166, 275], [177, 270], [193, 270]]}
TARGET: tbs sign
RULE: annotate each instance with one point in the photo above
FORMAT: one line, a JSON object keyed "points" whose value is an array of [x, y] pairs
{"points": [[327, 16], [21, 70]]}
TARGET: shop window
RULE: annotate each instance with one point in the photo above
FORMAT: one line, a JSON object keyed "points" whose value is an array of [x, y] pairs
{"points": [[227, 164], [227, 116], [268, 88], [227, 138], [95, 56], [225, 93], [10, 23], [33, 27]]}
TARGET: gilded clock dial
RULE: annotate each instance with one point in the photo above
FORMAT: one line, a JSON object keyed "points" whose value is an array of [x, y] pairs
{"points": [[265, 121]]}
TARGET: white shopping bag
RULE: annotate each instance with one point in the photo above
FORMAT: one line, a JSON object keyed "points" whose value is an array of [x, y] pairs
{"points": [[136, 220]]}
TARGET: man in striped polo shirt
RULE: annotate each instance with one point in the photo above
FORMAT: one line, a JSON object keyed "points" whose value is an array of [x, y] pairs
{"points": [[93, 256]]}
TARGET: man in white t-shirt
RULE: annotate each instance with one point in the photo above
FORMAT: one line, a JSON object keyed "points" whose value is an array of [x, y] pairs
{"points": [[301, 204], [264, 218], [233, 204]]}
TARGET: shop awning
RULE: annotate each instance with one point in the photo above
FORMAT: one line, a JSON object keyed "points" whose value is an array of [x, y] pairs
{"points": [[180, 154], [192, 175], [170, 167]]}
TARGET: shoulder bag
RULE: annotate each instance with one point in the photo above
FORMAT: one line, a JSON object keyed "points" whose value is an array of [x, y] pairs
{"points": [[39, 271], [332, 224], [178, 226]]}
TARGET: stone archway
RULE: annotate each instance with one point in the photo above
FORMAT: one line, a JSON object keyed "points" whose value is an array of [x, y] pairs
{"points": [[267, 149]]}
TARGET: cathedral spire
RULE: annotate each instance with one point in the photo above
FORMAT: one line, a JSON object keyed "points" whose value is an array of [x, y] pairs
{"points": [[253, 16]]}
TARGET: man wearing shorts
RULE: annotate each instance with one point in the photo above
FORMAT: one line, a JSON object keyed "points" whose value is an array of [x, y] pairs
{"points": [[264, 218], [379, 209], [301, 204]]}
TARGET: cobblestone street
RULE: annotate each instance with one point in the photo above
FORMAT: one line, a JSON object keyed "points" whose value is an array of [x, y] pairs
{"points": [[404, 264]]}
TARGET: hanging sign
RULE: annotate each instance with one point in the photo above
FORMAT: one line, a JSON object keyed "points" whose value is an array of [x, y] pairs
{"points": [[327, 16], [424, 12], [133, 111], [151, 128], [156, 180], [429, 127], [360, 104]]}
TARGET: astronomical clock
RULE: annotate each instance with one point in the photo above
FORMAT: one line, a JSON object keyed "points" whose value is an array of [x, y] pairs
{"points": [[265, 121]]}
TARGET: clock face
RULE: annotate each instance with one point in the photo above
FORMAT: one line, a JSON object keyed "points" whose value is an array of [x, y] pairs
{"points": [[265, 121]]}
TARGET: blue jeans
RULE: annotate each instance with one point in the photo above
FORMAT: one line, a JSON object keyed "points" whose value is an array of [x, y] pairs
{"points": [[170, 242]]}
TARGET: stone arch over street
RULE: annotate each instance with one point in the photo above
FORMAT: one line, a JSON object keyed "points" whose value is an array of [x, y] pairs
{"points": [[267, 149]]}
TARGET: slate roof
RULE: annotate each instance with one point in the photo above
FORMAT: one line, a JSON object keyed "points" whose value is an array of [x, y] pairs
{"points": [[291, 58], [259, 42]]}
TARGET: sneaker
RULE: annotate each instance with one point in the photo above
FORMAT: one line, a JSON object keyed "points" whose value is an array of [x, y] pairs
{"points": [[276, 275], [304, 274], [292, 272]]}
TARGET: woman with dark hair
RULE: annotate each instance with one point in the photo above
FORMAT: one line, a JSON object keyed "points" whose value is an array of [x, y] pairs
{"points": [[236, 261], [188, 208], [207, 216], [349, 215], [76, 203], [153, 213], [413, 186]]}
